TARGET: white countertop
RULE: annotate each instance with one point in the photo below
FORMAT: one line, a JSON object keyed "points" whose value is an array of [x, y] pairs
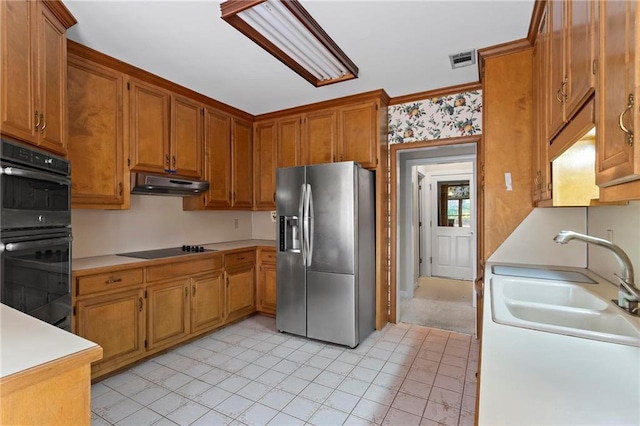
{"points": [[114, 260], [534, 377], [27, 342]]}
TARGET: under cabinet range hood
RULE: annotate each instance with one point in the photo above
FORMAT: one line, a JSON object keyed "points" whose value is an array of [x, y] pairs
{"points": [[150, 184]]}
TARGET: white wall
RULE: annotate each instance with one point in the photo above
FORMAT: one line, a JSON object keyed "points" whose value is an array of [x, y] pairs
{"points": [[532, 241], [154, 222], [263, 227], [624, 223]]}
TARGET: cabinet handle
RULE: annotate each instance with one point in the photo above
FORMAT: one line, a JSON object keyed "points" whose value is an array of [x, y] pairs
{"points": [[174, 162], [561, 96], [274, 197], [37, 119], [241, 258], [112, 280], [234, 196], [121, 188], [140, 304], [186, 292], [44, 123], [621, 120], [166, 159]]}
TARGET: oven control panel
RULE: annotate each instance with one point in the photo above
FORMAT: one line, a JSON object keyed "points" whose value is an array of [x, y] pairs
{"points": [[16, 153]]}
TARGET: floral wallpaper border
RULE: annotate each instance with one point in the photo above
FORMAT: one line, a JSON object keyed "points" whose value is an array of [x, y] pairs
{"points": [[442, 117]]}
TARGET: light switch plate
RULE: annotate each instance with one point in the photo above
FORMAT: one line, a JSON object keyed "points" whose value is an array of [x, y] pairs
{"points": [[273, 216]]}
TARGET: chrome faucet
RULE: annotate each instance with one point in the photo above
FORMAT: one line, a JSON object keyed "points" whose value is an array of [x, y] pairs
{"points": [[628, 293]]}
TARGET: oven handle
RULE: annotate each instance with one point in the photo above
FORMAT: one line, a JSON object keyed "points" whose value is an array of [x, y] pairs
{"points": [[26, 245], [13, 171]]}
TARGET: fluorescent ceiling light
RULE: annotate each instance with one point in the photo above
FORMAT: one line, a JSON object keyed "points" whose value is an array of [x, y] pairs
{"points": [[286, 30]]}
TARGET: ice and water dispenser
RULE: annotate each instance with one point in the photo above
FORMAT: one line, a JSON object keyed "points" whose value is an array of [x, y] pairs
{"points": [[290, 234]]}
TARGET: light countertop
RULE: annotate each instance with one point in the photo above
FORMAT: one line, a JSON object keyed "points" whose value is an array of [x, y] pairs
{"points": [[535, 377], [114, 260], [27, 342]]}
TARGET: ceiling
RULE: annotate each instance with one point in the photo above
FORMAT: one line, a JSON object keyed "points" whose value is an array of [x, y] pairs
{"points": [[399, 46]]}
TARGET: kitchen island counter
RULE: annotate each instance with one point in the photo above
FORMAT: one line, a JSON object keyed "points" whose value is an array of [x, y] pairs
{"points": [[535, 377], [44, 372]]}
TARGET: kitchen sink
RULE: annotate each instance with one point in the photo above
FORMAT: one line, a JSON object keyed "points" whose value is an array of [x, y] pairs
{"points": [[562, 307], [552, 293]]}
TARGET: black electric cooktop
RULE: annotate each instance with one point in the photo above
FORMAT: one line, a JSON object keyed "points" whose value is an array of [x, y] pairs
{"points": [[167, 252]]}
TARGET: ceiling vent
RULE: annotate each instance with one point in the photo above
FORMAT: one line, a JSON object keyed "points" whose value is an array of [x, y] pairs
{"points": [[463, 59]]}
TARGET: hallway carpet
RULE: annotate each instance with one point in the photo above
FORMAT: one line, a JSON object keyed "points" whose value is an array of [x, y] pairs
{"points": [[441, 303]]}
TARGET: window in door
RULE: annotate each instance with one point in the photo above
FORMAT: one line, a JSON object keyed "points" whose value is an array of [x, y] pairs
{"points": [[454, 206]]}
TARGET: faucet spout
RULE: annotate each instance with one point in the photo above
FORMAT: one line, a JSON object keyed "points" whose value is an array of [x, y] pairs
{"points": [[628, 293]]}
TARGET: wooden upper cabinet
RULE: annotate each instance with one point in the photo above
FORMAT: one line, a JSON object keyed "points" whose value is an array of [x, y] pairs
{"points": [[265, 165], [242, 164], [98, 141], [617, 150], [34, 62], [217, 133], [149, 127], [288, 141], [358, 135], [320, 137], [186, 137], [571, 59], [541, 165]]}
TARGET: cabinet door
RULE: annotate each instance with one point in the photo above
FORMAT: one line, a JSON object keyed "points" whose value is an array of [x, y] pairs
{"points": [[217, 134], [240, 291], [186, 137], [541, 165], [557, 72], [168, 313], [18, 112], [265, 165], [116, 322], [267, 288], [580, 53], [96, 127], [320, 136], [358, 134], [617, 156], [242, 164], [288, 149], [207, 301], [52, 81], [149, 123]]}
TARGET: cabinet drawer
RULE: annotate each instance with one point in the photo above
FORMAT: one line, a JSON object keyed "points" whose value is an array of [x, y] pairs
{"points": [[179, 269], [108, 281], [233, 259], [268, 256]]}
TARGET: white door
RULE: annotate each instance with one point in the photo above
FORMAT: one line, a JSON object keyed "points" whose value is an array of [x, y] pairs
{"points": [[452, 226]]}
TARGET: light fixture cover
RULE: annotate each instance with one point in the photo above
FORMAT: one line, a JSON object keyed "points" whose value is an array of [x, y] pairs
{"points": [[286, 30]]}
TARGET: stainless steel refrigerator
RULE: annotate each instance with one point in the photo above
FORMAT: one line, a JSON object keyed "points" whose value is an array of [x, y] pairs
{"points": [[325, 257]]}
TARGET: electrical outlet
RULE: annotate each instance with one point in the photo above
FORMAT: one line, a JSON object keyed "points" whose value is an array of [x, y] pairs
{"points": [[273, 216], [235, 223]]}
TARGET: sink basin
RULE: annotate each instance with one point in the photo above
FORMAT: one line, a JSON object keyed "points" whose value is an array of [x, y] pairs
{"points": [[552, 293], [562, 307]]}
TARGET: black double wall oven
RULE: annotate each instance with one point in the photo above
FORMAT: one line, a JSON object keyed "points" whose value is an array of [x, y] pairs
{"points": [[35, 233]]}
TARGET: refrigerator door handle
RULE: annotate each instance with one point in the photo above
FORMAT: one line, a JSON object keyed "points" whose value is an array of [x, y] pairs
{"points": [[309, 226], [301, 223], [305, 213]]}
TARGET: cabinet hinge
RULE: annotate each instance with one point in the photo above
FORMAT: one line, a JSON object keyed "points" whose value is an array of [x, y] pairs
{"points": [[128, 162], [128, 86], [145, 294], [74, 311], [145, 344], [594, 67]]}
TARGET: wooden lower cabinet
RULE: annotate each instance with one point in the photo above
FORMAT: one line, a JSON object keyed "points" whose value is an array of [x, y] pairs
{"points": [[117, 323], [241, 299], [168, 313], [266, 285], [207, 301]]}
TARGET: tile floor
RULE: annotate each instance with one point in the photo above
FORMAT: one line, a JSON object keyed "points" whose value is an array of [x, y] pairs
{"points": [[249, 374]]}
